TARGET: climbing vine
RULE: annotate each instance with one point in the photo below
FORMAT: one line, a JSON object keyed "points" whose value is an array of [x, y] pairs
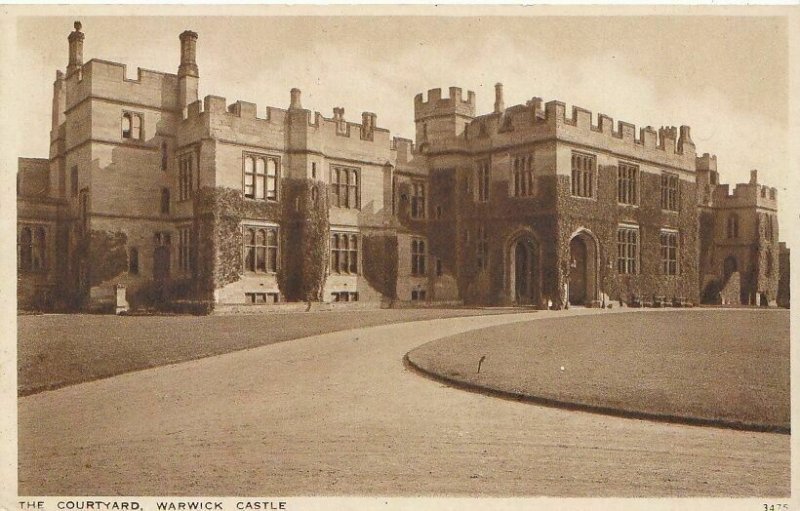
{"points": [[304, 240]]}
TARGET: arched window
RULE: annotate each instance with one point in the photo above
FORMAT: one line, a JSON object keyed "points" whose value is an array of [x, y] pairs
{"points": [[345, 187], [335, 253], [353, 254], [164, 156], [261, 249], [344, 258], [133, 261], [352, 190], [272, 250], [272, 179], [165, 201], [25, 249], [418, 257], [344, 253], [259, 178], [523, 176], [39, 249], [249, 178], [132, 125], [126, 125], [136, 127], [733, 226]]}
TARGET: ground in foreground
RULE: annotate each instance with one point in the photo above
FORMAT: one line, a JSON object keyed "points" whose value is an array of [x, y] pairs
{"points": [[58, 350], [339, 414], [728, 366]]}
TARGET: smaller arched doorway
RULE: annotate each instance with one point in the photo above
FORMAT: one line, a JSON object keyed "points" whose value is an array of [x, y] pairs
{"points": [[582, 269], [523, 270]]}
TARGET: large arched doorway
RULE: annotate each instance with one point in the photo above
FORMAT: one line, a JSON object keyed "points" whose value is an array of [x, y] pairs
{"points": [[582, 269], [523, 270]]}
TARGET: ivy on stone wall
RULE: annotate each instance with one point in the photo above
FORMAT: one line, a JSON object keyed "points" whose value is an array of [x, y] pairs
{"points": [[107, 255], [379, 262], [602, 220], [219, 213], [305, 233]]}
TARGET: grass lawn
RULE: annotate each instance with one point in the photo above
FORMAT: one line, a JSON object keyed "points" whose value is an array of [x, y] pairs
{"points": [[58, 350], [730, 366]]}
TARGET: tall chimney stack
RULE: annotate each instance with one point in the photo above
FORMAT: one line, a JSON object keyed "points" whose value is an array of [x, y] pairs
{"points": [[188, 74], [295, 100], [188, 54], [499, 105], [75, 49]]}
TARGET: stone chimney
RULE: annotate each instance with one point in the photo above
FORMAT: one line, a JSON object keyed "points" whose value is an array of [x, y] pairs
{"points": [[754, 177], [188, 74], [367, 125], [685, 138], [295, 103], [75, 49], [499, 105], [188, 54]]}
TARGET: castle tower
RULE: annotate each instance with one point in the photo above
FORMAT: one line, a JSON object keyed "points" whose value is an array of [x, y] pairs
{"points": [[75, 49], [188, 74], [440, 121]]}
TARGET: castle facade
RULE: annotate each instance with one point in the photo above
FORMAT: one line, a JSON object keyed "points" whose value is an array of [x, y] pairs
{"points": [[179, 200]]}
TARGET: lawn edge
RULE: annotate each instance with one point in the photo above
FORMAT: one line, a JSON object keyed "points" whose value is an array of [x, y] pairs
{"points": [[590, 408], [32, 390]]}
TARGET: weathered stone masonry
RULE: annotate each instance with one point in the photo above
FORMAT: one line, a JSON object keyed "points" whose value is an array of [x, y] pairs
{"points": [[197, 204]]}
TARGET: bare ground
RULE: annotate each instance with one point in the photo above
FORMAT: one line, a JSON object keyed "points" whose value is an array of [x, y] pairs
{"points": [[338, 414]]}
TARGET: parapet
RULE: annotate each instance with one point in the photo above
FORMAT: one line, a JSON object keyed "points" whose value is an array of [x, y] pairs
{"points": [[750, 194], [241, 109], [437, 106], [707, 162], [581, 126], [404, 149], [665, 139], [109, 80], [338, 126]]}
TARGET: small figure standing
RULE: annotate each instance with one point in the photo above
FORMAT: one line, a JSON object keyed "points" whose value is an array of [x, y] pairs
{"points": [[480, 362], [564, 287]]}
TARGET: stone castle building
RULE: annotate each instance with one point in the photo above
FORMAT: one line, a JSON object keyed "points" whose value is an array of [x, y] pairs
{"points": [[188, 201]]}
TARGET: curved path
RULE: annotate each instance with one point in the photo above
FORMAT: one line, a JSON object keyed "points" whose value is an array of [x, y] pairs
{"points": [[338, 414]]}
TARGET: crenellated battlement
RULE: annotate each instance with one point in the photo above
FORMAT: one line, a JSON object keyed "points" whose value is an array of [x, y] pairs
{"points": [[669, 139], [339, 126], [108, 80], [750, 194], [706, 162], [435, 105], [404, 148], [119, 72], [241, 109], [668, 144]]}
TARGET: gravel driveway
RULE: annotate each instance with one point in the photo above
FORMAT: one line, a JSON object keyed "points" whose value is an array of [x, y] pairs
{"points": [[338, 414]]}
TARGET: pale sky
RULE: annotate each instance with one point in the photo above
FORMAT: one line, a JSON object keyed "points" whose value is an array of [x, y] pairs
{"points": [[726, 77]]}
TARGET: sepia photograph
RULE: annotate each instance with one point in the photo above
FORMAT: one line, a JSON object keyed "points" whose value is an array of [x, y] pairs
{"points": [[453, 254]]}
